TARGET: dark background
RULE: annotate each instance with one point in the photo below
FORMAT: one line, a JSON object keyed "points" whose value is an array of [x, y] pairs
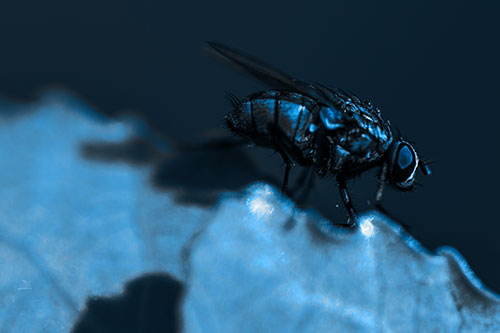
{"points": [[432, 67]]}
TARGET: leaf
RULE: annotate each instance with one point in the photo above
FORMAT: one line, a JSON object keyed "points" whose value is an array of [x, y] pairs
{"points": [[81, 215]]}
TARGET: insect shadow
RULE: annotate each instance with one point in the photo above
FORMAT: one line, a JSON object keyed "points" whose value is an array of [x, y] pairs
{"points": [[193, 176]]}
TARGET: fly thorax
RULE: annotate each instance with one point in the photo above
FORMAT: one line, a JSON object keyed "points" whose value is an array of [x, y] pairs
{"points": [[331, 118]]}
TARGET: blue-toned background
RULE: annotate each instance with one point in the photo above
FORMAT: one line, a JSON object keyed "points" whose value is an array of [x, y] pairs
{"points": [[431, 67]]}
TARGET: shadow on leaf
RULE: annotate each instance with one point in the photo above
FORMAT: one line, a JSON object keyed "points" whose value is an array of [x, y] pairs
{"points": [[148, 304]]}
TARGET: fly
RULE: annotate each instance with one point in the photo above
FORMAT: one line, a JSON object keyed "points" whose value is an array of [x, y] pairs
{"points": [[330, 130]]}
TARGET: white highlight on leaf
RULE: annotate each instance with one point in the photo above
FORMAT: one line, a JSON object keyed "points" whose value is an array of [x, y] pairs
{"points": [[367, 228], [258, 202]]}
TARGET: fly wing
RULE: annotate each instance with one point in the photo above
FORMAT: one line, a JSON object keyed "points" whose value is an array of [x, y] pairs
{"points": [[268, 74]]}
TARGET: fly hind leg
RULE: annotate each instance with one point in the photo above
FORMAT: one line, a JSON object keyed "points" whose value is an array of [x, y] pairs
{"points": [[306, 183], [280, 146]]}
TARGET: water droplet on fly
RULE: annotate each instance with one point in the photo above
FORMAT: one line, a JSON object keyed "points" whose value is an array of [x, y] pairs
{"points": [[337, 206]]}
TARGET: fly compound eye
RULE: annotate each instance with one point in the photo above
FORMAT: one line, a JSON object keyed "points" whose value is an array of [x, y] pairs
{"points": [[404, 165]]}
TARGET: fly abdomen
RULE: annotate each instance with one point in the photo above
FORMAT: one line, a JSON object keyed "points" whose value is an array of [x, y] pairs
{"points": [[291, 113]]}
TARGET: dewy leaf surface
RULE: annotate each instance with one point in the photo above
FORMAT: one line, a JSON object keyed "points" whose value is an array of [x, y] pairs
{"points": [[72, 227]]}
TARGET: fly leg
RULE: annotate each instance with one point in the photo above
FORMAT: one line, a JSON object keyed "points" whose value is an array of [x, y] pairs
{"points": [[382, 177], [346, 198], [301, 181], [310, 183], [302, 178], [280, 147]]}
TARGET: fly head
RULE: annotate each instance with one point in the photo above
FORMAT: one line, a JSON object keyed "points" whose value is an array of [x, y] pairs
{"points": [[403, 164]]}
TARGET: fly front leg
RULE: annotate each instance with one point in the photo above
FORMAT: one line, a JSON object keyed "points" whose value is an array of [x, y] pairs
{"points": [[346, 198], [288, 167], [382, 179]]}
